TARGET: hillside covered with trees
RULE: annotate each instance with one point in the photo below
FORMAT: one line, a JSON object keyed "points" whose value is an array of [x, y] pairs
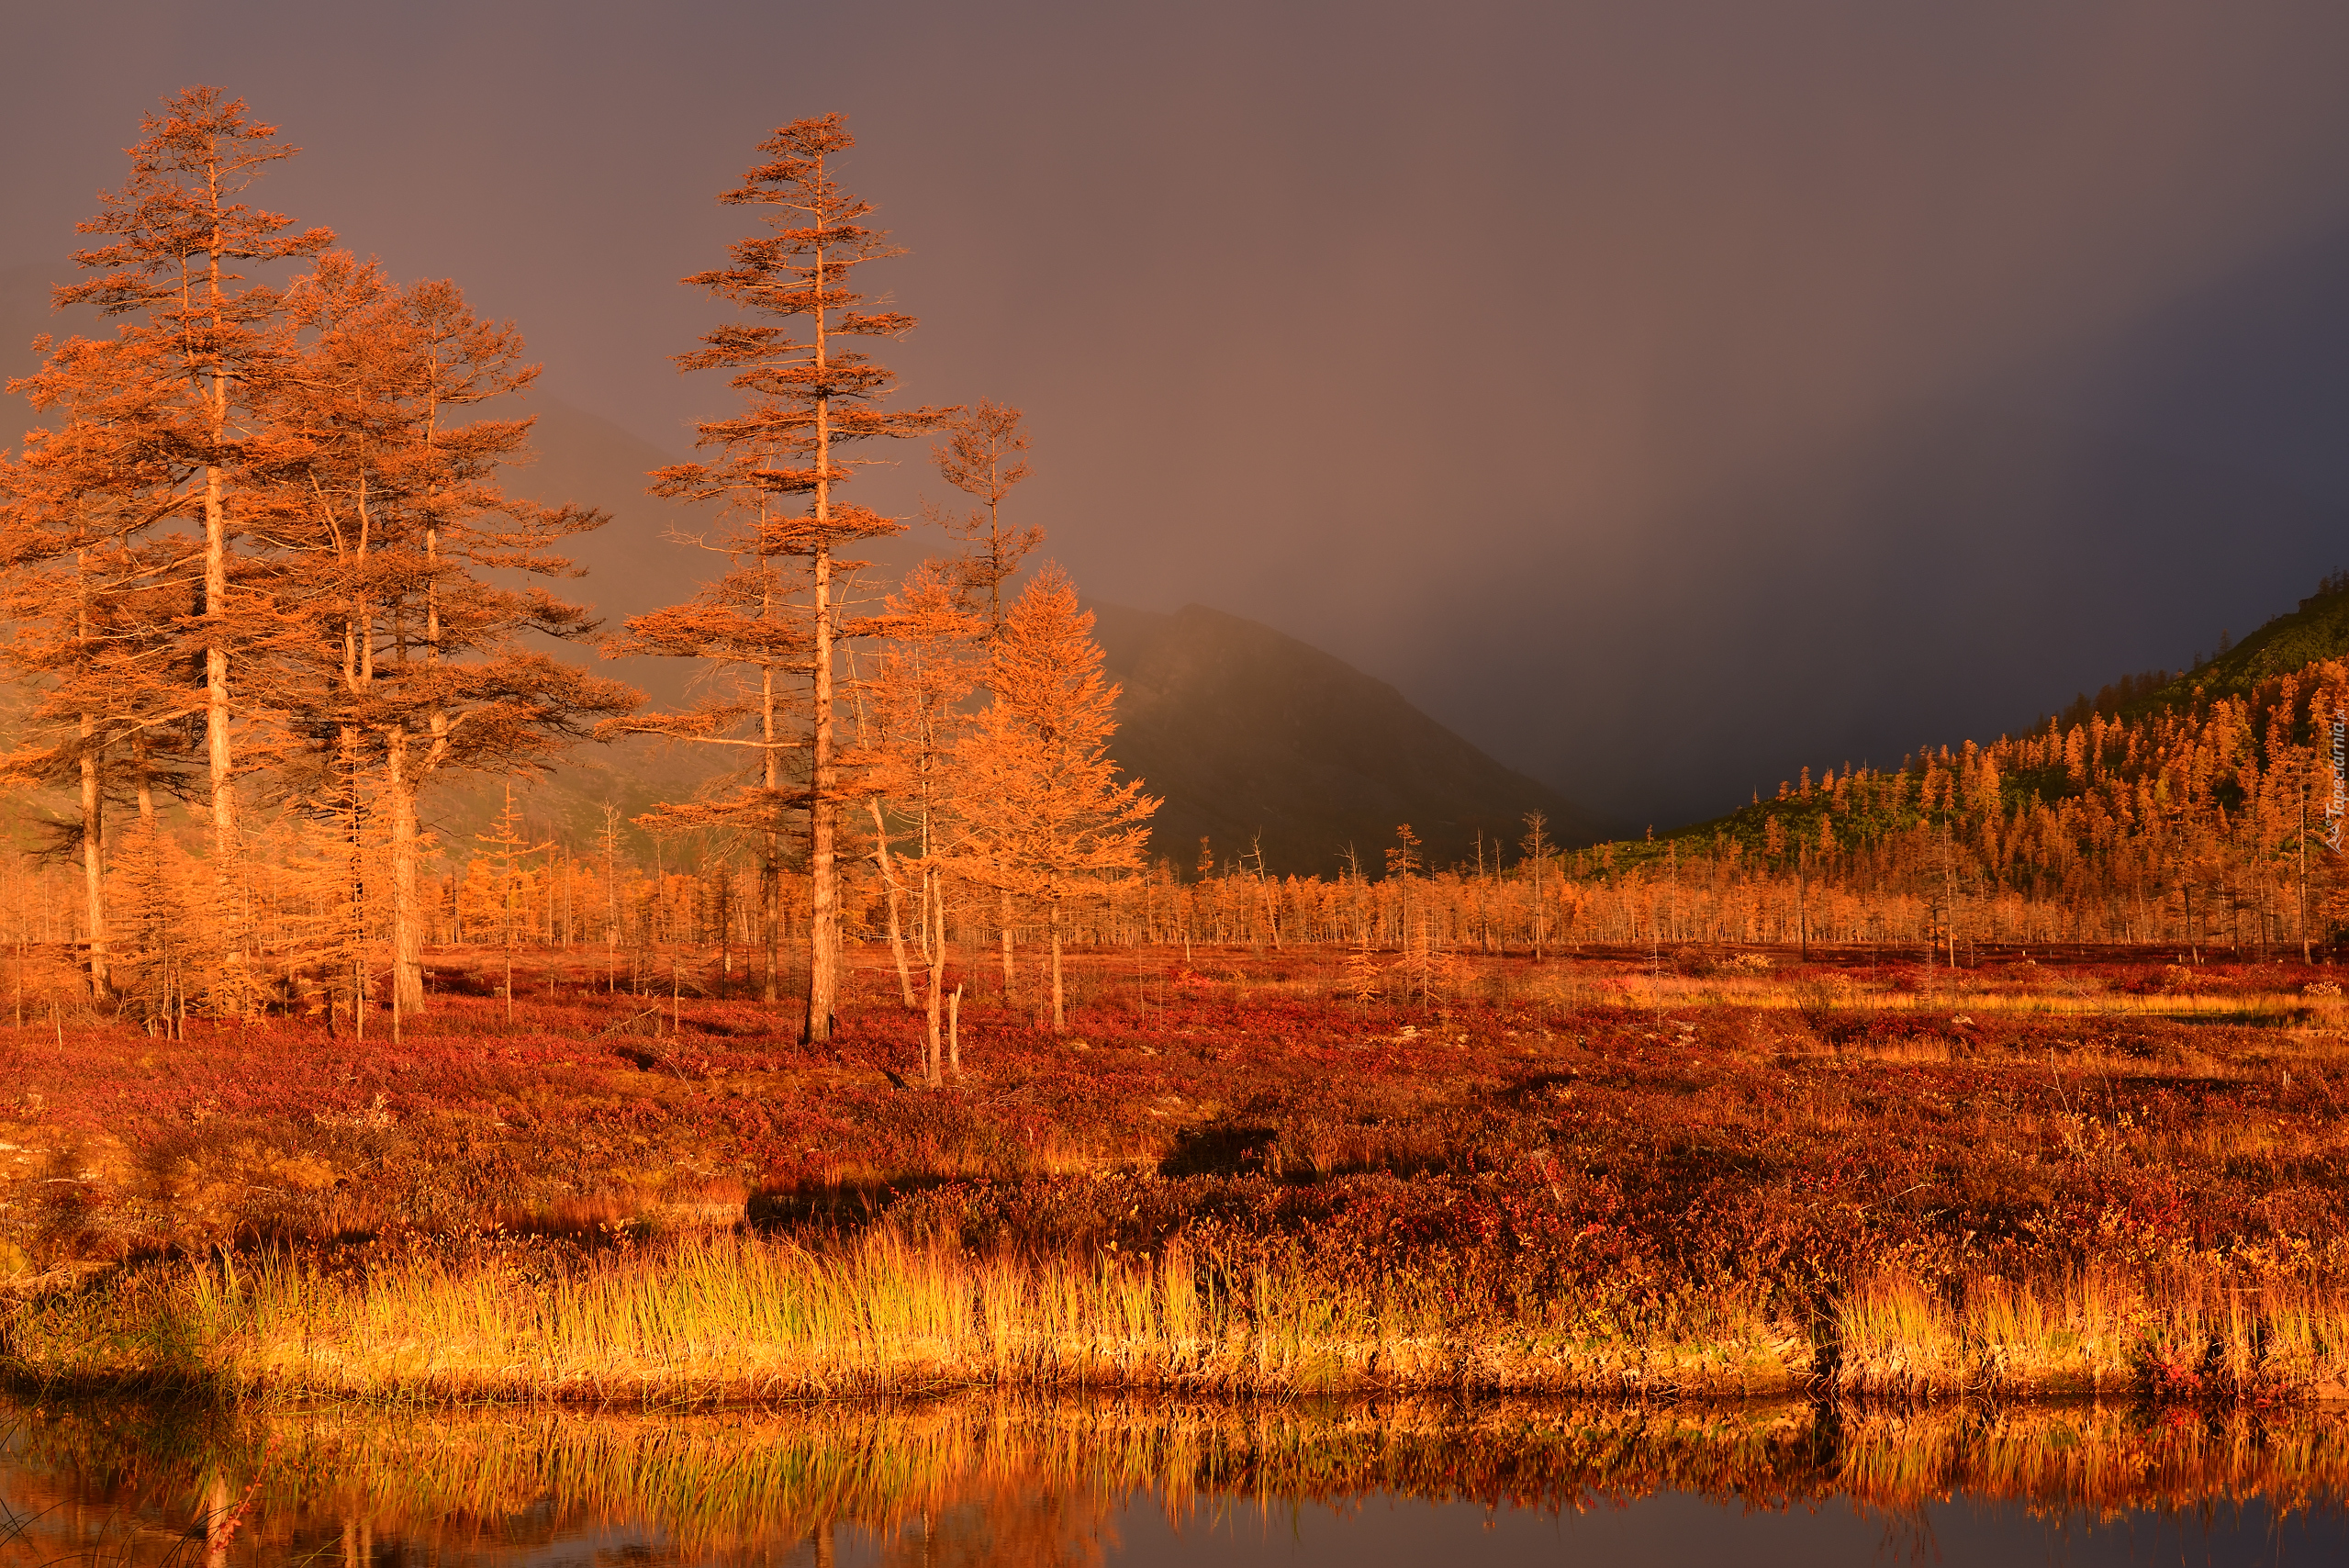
{"points": [[2187, 809]]}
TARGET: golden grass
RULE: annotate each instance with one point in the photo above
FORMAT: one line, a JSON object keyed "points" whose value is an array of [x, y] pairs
{"points": [[731, 1317], [1965, 991], [2093, 1332]]}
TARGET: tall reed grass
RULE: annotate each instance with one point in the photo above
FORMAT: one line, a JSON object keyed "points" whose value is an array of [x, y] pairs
{"points": [[735, 1317], [2094, 1331]]}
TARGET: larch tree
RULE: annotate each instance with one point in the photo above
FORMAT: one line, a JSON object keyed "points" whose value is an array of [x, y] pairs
{"points": [[806, 394], [914, 715], [91, 613], [984, 457], [261, 538], [1537, 849], [506, 847], [196, 353], [1041, 812], [391, 499]]}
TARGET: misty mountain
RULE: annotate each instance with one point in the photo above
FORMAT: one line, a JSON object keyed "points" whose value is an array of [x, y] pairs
{"points": [[1243, 730], [1254, 737]]}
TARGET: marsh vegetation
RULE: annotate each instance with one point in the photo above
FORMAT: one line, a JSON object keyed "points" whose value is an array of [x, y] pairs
{"points": [[1235, 1175]]}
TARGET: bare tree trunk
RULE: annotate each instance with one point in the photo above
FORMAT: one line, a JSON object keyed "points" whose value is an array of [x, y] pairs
{"points": [[146, 782], [933, 911], [931, 1052], [93, 854], [770, 897], [888, 882], [408, 932], [1060, 1023], [218, 747], [824, 912], [348, 758], [824, 892], [770, 851], [1004, 922]]}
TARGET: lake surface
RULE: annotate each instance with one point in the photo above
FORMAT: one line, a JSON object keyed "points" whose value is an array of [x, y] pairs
{"points": [[982, 1481]]}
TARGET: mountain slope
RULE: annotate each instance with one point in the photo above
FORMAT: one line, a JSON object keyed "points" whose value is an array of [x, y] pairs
{"points": [[1249, 733], [2316, 629]]}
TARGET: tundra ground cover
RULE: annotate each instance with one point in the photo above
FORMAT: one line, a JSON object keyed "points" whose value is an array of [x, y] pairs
{"points": [[1600, 1173]]}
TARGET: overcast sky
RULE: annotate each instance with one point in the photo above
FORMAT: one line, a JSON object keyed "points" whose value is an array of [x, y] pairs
{"points": [[1664, 395]]}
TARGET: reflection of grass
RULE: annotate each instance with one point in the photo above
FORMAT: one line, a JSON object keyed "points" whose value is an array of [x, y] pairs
{"points": [[751, 1479], [734, 1317]]}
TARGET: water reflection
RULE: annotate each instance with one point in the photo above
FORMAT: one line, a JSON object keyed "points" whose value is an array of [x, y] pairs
{"points": [[975, 1481]]}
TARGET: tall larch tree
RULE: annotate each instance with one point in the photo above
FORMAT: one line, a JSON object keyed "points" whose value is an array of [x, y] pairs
{"points": [[1041, 810], [391, 499], [195, 357], [984, 457], [914, 703], [92, 611], [806, 394]]}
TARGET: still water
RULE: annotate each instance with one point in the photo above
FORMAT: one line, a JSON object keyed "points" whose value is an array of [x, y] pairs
{"points": [[985, 1481]]}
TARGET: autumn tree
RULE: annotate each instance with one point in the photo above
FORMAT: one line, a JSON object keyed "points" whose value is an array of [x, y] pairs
{"points": [[1040, 810], [806, 394], [1404, 856], [1536, 848], [984, 457], [389, 501], [263, 536], [504, 849], [914, 702], [196, 353], [159, 956], [92, 614]]}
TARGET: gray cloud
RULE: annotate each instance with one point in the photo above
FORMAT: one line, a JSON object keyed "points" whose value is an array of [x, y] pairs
{"points": [[1665, 396]]}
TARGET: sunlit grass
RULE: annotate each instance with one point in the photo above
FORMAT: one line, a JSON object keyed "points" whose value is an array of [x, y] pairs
{"points": [[2094, 1331], [737, 1318], [2055, 996], [734, 1317]]}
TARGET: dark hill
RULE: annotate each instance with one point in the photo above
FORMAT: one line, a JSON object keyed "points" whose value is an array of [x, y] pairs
{"points": [[1249, 733], [2316, 629]]}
